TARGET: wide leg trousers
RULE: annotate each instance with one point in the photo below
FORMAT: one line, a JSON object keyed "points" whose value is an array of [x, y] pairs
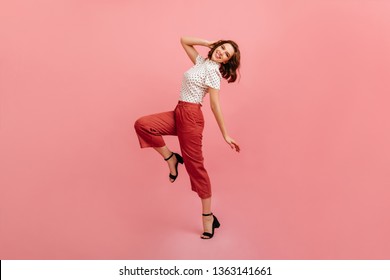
{"points": [[187, 123]]}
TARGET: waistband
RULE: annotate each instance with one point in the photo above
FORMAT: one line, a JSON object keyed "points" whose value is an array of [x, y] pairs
{"points": [[189, 104]]}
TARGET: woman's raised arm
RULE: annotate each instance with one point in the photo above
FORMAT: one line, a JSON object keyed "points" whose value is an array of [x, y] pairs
{"points": [[188, 44]]}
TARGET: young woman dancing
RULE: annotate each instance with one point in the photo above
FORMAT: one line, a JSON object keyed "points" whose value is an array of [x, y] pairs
{"points": [[186, 120]]}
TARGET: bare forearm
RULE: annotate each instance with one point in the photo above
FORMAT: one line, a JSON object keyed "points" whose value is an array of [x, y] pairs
{"points": [[193, 41], [216, 109]]}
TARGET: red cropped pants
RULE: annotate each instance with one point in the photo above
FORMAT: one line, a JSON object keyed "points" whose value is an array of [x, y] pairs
{"points": [[187, 122]]}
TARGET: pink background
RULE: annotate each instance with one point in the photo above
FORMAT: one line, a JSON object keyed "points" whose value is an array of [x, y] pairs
{"points": [[311, 113]]}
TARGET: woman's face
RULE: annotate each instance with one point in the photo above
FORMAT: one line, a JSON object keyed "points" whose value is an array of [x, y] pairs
{"points": [[223, 53]]}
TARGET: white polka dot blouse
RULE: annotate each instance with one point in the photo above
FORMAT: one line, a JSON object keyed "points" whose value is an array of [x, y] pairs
{"points": [[196, 81]]}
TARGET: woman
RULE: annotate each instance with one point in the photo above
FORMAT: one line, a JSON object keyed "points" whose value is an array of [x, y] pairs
{"points": [[187, 122]]}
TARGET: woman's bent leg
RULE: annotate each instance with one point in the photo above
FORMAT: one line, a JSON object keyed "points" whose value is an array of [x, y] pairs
{"points": [[150, 129]]}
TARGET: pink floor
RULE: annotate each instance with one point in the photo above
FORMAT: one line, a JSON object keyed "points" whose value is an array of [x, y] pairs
{"points": [[311, 113]]}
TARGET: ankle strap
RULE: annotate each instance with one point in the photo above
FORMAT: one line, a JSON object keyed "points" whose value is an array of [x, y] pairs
{"points": [[205, 215], [169, 157]]}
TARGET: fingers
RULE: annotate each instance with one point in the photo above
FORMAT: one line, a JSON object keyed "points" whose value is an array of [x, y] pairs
{"points": [[234, 145], [212, 43]]}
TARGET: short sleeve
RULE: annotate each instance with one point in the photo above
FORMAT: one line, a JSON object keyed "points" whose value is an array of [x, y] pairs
{"points": [[199, 59], [213, 78]]}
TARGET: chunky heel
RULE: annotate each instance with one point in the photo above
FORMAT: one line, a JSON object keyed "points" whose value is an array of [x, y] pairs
{"points": [[216, 223], [179, 160]]}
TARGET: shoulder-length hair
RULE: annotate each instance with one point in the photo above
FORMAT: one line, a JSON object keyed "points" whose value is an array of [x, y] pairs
{"points": [[230, 68]]}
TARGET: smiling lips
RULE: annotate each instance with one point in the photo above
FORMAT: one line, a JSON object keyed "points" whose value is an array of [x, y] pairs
{"points": [[218, 54]]}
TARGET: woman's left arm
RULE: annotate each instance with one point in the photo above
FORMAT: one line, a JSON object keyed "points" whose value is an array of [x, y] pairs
{"points": [[216, 109]]}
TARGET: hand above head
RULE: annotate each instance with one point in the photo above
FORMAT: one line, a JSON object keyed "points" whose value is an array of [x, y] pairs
{"points": [[232, 143], [210, 44]]}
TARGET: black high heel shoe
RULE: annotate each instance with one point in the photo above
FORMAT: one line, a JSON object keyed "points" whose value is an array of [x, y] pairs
{"points": [[216, 224], [179, 160]]}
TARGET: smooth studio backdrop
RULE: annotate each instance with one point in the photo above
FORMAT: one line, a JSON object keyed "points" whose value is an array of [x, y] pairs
{"points": [[310, 113]]}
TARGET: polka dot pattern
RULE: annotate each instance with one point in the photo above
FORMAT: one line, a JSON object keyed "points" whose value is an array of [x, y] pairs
{"points": [[196, 81]]}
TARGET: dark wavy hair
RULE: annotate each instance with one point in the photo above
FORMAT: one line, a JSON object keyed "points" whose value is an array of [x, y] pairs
{"points": [[230, 68]]}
